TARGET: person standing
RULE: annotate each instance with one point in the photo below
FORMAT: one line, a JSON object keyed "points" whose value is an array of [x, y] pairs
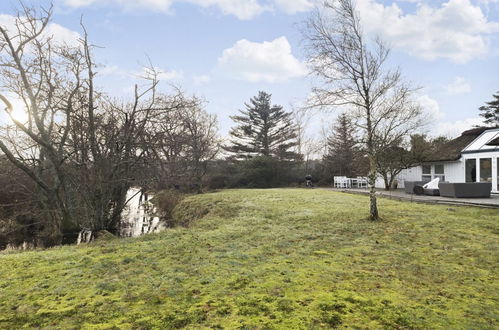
{"points": [[308, 179]]}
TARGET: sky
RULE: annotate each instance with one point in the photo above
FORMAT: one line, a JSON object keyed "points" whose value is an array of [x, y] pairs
{"points": [[225, 51]]}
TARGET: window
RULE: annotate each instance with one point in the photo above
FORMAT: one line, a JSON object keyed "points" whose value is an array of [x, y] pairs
{"points": [[486, 170], [426, 173], [439, 172], [471, 170]]}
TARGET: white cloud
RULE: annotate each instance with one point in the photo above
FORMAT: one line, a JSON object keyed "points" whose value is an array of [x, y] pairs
{"points": [[242, 9], [79, 3], [162, 75], [294, 6], [161, 5], [457, 30], [145, 72], [59, 34], [201, 80], [430, 107], [458, 86], [438, 126], [455, 128], [170, 75], [110, 70], [261, 62]]}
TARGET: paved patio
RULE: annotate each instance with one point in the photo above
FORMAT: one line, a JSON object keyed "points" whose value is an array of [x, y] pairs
{"points": [[399, 194]]}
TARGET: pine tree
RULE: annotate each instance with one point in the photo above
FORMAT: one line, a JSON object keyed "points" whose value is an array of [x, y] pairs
{"points": [[263, 130], [342, 151], [490, 111]]}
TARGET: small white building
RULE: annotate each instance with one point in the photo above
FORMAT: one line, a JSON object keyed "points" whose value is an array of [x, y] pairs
{"points": [[472, 157]]}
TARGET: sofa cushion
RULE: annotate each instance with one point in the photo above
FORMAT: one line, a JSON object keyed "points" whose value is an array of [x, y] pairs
{"points": [[431, 192], [409, 185]]}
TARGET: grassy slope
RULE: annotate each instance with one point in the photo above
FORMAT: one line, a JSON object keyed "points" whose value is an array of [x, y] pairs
{"points": [[270, 259]]}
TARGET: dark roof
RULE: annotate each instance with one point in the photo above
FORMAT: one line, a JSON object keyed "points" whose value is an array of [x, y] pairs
{"points": [[451, 150]]}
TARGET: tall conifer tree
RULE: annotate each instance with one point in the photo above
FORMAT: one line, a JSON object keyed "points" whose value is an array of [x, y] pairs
{"points": [[490, 111], [342, 149], [263, 129]]}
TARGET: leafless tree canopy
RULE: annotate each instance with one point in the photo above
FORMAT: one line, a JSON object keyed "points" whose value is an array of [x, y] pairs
{"points": [[82, 149], [353, 73]]}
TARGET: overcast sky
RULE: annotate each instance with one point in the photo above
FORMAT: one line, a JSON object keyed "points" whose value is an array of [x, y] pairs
{"points": [[228, 50]]}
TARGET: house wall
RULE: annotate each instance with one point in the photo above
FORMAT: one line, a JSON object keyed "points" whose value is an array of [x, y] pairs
{"points": [[453, 171], [410, 174]]}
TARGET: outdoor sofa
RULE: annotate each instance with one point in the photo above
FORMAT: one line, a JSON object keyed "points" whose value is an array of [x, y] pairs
{"points": [[420, 190], [430, 188], [466, 190]]}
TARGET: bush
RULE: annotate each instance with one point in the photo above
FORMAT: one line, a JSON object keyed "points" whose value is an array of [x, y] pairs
{"points": [[265, 172], [165, 202], [216, 182]]}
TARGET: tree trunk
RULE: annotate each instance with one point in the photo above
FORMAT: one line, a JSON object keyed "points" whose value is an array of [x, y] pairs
{"points": [[119, 201], [68, 229], [65, 231], [373, 209], [388, 182]]}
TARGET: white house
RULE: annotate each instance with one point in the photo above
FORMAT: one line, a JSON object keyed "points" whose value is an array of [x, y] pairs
{"points": [[472, 157]]}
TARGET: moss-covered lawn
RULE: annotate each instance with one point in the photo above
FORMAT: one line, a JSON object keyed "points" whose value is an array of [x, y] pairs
{"points": [[270, 259]]}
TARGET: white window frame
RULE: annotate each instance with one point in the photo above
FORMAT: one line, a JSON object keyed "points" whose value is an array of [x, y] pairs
{"points": [[425, 176], [435, 175], [432, 174]]}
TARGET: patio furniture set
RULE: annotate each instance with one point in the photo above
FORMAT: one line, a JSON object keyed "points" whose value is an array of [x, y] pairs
{"points": [[429, 188], [344, 182], [447, 189]]}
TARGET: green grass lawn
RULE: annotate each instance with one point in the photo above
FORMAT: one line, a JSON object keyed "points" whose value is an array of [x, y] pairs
{"points": [[270, 259]]}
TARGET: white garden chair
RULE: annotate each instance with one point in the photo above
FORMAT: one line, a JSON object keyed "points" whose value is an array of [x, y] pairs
{"points": [[341, 182]]}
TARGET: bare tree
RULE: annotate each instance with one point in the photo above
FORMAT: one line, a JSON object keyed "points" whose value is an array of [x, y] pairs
{"points": [[392, 160], [77, 146], [186, 141], [83, 149], [40, 73], [353, 74], [203, 143], [301, 117], [306, 146]]}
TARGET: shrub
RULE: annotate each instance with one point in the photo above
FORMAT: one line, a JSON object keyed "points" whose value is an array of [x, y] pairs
{"points": [[188, 211], [165, 202], [216, 182], [265, 172]]}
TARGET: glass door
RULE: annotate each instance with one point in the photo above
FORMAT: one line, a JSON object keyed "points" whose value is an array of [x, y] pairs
{"points": [[485, 169]]}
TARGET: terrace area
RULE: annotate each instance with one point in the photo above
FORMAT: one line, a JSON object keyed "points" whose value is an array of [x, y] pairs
{"points": [[399, 194]]}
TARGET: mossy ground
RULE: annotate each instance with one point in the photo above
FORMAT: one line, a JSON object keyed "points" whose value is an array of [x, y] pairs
{"points": [[269, 259]]}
